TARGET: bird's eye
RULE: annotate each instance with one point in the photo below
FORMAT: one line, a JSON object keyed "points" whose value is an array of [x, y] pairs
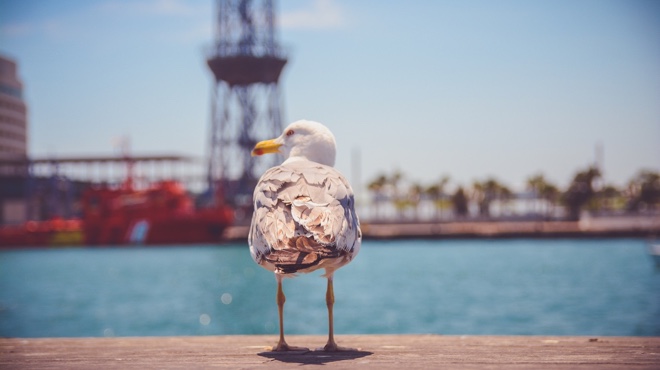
{"points": [[289, 133]]}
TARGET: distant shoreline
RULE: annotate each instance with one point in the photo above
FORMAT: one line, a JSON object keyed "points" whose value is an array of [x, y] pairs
{"points": [[647, 227], [606, 227]]}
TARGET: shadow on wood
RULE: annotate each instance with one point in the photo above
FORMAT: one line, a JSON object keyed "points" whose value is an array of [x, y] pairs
{"points": [[314, 357]]}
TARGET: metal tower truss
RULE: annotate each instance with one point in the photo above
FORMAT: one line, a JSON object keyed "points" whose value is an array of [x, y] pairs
{"points": [[246, 62]]}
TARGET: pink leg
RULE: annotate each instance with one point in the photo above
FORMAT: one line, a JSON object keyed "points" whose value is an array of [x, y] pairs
{"points": [[281, 344], [331, 346]]}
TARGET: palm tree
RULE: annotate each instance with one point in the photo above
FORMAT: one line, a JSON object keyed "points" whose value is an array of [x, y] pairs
{"points": [[394, 182], [535, 184], [550, 193], [460, 202], [377, 187], [543, 190], [479, 197], [414, 198], [484, 193], [581, 191], [436, 192], [608, 197], [504, 196], [644, 191]]}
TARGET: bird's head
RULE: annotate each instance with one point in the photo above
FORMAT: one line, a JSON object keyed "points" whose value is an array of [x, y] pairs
{"points": [[302, 140]]}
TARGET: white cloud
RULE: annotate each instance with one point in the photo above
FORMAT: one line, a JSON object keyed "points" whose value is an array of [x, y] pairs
{"points": [[321, 14]]}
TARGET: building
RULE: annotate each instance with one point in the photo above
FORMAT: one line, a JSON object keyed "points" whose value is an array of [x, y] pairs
{"points": [[13, 113], [13, 144]]}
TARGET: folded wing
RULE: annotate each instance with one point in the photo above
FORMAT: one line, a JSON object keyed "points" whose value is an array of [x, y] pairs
{"points": [[304, 219]]}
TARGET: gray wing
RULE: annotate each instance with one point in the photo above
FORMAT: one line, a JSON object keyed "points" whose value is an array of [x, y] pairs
{"points": [[304, 218]]}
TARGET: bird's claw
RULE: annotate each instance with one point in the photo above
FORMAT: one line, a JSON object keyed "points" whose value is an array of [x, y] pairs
{"points": [[333, 347], [283, 347]]}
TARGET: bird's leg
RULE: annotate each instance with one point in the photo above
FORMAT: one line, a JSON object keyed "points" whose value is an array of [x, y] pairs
{"points": [[331, 346], [281, 344]]}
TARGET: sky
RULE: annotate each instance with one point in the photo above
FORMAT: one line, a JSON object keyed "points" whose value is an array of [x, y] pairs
{"points": [[466, 89]]}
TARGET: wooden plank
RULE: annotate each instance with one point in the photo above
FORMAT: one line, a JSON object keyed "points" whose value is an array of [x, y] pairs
{"points": [[375, 352]]}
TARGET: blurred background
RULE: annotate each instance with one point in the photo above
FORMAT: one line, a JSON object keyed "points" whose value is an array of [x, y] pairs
{"points": [[482, 137]]}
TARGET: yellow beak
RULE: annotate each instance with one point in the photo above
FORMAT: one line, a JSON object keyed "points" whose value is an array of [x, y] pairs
{"points": [[266, 147]]}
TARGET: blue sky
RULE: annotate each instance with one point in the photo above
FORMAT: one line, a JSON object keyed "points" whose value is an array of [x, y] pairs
{"points": [[470, 89]]}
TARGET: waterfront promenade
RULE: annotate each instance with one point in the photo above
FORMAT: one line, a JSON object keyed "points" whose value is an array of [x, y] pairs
{"points": [[623, 226], [374, 352]]}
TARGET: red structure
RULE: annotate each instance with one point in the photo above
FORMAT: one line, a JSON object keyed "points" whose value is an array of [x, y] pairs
{"points": [[162, 214], [42, 233], [121, 214]]}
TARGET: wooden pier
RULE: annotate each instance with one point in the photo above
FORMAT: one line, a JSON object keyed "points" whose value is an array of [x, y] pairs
{"points": [[374, 352]]}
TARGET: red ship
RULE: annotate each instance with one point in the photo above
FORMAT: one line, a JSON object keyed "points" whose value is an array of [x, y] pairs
{"points": [[162, 214], [42, 233]]}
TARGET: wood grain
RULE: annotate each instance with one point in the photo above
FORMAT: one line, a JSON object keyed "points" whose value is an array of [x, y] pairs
{"points": [[374, 352]]}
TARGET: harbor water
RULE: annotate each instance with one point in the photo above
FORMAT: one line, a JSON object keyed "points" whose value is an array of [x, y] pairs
{"points": [[502, 287]]}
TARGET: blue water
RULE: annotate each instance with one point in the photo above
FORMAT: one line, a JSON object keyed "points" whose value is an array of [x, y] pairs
{"points": [[520, 287]]}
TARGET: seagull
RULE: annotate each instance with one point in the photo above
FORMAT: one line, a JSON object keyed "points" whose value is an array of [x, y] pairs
{"points": [[304, 215]]}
